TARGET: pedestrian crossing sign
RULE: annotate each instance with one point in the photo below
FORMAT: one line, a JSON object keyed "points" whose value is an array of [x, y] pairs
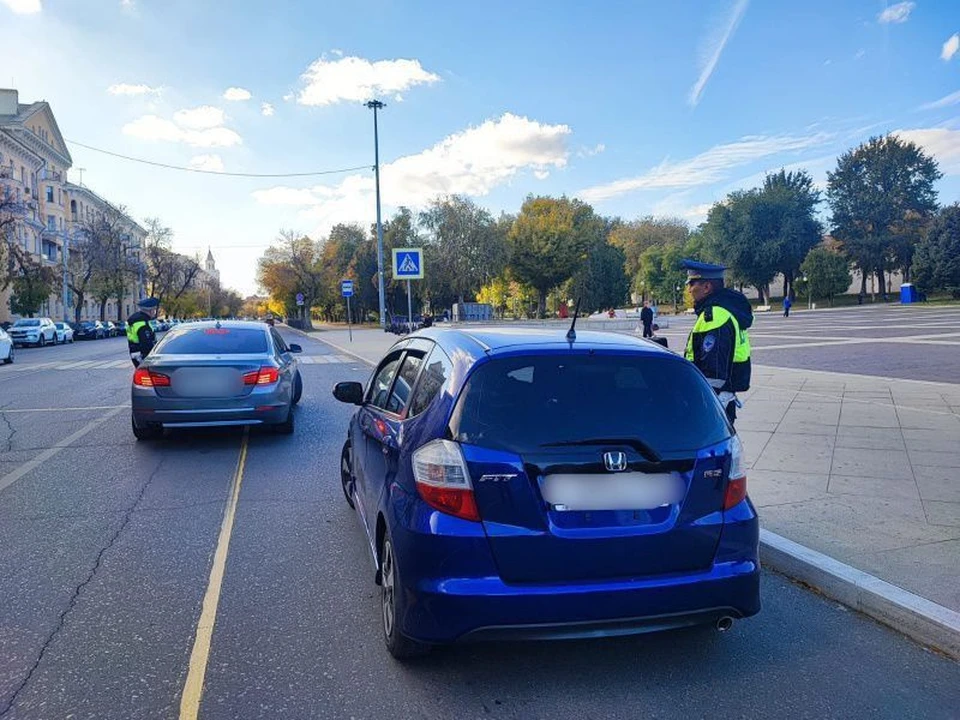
{"points": [[408, 263]]}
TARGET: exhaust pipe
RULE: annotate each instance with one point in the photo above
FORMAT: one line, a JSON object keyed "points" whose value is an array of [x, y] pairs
{"points": [[724, 623]]}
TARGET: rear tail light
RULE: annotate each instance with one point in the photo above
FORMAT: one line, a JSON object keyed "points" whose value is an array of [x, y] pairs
{"points": [[737, 480], [263, 376], [145, 378], [443, 480]]}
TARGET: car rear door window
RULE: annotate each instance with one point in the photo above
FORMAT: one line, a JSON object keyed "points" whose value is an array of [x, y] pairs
{"points": [[406, 379], [214, 341], [278, 342], [521, 404], [436, 372]]}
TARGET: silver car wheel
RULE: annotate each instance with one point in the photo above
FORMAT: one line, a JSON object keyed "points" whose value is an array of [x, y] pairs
{"points": [[388, 588]]}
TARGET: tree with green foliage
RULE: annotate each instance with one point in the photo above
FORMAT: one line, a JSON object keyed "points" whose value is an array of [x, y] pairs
{"points": [[32, 283], [742, 232], [549, 240], [636, 236], [464, 248], [790, 201], [880, 192], [661, 274], [937, 260], [826, 274], [600, 282]]}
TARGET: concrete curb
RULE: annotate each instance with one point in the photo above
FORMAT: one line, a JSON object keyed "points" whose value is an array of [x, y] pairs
{"points": [[918, 618], [336, 347]]}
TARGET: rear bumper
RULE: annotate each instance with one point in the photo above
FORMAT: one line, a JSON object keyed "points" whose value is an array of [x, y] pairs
{"points": [[454, 592], [258, 408]]}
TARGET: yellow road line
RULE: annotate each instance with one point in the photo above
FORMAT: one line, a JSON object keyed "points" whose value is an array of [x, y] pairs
{"points": [[199, 656]]}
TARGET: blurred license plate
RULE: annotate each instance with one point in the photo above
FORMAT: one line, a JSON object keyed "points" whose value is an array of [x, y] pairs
{"points": [[612, 491], [204, 383]]}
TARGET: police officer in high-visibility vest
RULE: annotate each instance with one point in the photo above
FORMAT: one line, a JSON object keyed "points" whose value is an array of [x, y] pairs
{"points": [[719, 344], [140, 335]]}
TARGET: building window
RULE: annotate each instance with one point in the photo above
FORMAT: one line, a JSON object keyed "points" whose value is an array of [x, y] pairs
{"points": [[49, 193], [51, 223]]}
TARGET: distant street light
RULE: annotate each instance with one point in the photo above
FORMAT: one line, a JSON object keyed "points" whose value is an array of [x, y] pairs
{"points": [[377, 105], [809, 293]]}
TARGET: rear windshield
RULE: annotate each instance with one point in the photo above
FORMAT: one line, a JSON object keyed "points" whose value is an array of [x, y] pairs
{"points": [[214, 341], [26, 323], [526, 403]]}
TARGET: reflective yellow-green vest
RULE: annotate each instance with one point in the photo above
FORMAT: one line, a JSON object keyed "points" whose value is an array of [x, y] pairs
{"points": [[133, 331], [711, 320]]}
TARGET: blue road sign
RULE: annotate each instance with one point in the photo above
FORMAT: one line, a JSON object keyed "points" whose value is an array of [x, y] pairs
{"points": [[299, 298], [408, 263], [346, 288]]}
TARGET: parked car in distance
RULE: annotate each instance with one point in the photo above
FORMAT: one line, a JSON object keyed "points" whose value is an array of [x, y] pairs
{"points": [[216, 373], [121, 327], [34, 331], [88, 330], [7, 351], [64, 332], [110, 330], [517, 484]]}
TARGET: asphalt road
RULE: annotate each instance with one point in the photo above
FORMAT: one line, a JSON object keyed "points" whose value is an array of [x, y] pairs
{"points": [[106, 548]]}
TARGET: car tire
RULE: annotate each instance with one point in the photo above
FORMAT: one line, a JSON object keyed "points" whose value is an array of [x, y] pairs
{"points": [[346, 474], [392, 605], [286, 427], [149, 432], [42, 342], [297, 388], [9, 358]]}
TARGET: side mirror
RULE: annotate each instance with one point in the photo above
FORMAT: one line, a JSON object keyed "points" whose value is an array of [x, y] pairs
{"points": [[349, 392], [294, 348]]}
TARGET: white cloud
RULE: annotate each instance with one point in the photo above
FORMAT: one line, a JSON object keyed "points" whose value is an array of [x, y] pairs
{"points": [[289, 96], [471, 162], [356, 79], [127, 3], [23, 7], [942, 143], [151, 127], [590, 152], [337, 52], [898, 13], [714, 49], [541, 174], [266, 109], [950, 47], [199, 118], [211, 163], [946, 101], [236, 94], [707, 167], [128, 89]]}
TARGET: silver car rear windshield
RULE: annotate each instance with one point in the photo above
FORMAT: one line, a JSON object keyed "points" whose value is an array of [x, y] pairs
{"points": [[214, 341]]}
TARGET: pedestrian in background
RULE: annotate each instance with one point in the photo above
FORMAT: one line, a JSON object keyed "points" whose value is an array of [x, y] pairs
{"points": [[646, 317], [787, 304]]}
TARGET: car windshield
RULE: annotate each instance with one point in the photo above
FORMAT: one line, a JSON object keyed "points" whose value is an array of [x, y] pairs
{"points": [[27, 323], [214, 341], [522, 404]]}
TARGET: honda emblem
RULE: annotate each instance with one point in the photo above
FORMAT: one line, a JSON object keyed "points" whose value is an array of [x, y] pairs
{"points": [[615, 461]]}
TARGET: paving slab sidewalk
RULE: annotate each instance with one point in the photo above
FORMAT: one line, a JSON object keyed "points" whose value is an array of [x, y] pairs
{"points": [[865, 470]]}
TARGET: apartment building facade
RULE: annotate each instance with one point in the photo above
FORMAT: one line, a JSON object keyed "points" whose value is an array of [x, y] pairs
{"points": [[49, 210]]}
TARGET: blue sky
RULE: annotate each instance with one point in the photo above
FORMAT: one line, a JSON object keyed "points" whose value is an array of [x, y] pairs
{"points": [[639, 107]]}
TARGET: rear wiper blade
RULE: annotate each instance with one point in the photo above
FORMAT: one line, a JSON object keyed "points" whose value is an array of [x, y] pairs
{"points": [[639, 445]]}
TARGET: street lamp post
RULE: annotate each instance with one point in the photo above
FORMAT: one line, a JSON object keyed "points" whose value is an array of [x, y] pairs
{"points": [[376, 105], [809, 293], [676, 299]]}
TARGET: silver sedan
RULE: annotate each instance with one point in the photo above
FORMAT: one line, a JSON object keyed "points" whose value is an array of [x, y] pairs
{"points": [[216, 373]]}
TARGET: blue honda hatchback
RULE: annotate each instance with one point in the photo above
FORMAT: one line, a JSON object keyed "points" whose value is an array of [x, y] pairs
{"points": [[516, 484]]}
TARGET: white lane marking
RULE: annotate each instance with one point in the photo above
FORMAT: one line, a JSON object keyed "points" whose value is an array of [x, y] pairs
{"points": [[64, 409], [200, 654], [11, 477]]}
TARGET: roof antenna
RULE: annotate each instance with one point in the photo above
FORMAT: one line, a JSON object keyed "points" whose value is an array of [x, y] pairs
{"points": [[572, 332]]}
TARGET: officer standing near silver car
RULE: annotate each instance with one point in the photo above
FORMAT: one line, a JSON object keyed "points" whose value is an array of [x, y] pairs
{"points": [[140, 335]]}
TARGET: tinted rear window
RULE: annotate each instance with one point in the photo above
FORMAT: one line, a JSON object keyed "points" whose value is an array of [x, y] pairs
{"points": [[523, 404], [214, 341]]}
